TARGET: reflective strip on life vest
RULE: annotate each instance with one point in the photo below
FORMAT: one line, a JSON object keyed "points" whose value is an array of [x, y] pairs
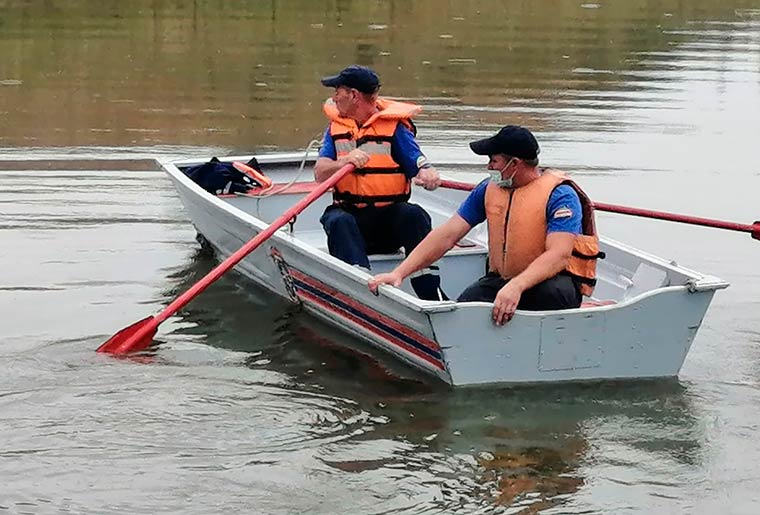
{"points": [[344, 147], [380, 181]]}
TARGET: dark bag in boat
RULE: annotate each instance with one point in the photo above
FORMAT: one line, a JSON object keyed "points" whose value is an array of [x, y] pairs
{"points": [[223, 178]]}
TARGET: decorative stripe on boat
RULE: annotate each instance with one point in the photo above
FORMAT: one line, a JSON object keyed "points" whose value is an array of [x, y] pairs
{"points": [[389, 330]]}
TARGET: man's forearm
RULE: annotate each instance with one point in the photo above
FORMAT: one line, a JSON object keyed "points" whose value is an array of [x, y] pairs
{"points": [[326, 167], [545, 266]]}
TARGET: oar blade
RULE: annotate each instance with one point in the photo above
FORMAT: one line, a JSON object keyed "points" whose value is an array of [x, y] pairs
{"points": [[133, 338], [139, 335]]}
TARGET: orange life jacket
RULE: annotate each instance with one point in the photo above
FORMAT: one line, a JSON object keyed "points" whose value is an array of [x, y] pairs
{"points": [[517, 229], [381, 181]]}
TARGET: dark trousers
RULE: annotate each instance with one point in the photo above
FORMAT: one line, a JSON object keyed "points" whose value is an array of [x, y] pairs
{"points": [[353, 233], [558, 292]]}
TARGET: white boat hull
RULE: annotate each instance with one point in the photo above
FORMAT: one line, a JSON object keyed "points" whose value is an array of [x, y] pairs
{"points": [[646, 333]]}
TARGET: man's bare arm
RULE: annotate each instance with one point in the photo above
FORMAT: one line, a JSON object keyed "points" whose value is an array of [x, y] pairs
{"points": [[559, 248], [325, 167]]}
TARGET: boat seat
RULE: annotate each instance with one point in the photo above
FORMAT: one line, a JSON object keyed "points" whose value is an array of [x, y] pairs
{"points": [[318, 239], [646, 278], [399, 253]]}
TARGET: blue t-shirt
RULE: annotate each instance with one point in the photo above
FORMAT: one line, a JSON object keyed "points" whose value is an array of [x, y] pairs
{"points": [[563, 211], [404, 150]]}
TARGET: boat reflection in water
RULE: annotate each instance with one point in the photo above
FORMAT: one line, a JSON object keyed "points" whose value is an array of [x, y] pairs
{"points": [[523, 447]]}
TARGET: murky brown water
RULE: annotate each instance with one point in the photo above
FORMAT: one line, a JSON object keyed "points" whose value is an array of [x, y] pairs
{"points": [[250, 407]]}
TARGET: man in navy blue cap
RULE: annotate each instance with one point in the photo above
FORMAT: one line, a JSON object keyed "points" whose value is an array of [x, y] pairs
{"points": [[542, 242], [371, 212], [357, 77]]}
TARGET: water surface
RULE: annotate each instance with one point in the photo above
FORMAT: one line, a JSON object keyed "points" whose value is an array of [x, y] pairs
{"points": [[247, 405]]}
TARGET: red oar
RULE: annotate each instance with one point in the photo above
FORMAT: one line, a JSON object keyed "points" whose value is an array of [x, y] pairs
{"points": [[139, 335], [753, 229]]}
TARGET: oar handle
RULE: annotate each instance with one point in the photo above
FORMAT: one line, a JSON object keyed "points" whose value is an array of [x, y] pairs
{"points": [[249, 247], [753, 229], [456, 185]]}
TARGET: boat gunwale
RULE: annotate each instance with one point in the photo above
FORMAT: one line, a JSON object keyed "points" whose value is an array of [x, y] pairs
{"points": [[614, 306], [697, 282]]}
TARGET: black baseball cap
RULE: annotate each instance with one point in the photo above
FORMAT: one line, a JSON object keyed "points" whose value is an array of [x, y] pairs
{"points": [[511, 140], [355, 76]]}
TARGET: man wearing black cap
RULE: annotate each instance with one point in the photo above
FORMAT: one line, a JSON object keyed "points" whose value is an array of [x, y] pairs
{"points": [[542, 242], [370, 211]]}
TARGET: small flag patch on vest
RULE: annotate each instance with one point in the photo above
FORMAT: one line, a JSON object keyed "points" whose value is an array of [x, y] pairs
{"points": [[563, 212]]}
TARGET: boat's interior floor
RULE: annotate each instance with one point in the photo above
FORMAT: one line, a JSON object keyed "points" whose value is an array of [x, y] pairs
{"points": [[621, 276]]}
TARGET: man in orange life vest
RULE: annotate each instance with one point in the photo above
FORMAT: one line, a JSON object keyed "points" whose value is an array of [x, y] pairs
{"points": [[370, 211], [542, 242]]}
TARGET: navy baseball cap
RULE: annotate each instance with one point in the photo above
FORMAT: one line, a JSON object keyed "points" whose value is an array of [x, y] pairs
{"points": [[355, 76], [511, 140]]}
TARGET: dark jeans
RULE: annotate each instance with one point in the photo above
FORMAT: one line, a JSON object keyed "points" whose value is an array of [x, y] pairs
{"points": [[558, 292], [352, 233]]}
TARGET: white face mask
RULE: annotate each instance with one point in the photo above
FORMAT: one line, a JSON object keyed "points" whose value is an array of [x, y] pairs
{"points": [[496, 178]]}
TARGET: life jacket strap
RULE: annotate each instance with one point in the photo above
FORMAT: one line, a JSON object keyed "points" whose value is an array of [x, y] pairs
{"points": [[580, 255], [351, 198], [378, 171]]}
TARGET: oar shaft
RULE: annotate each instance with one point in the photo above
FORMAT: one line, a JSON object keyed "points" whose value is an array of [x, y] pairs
{"points": [[753, 229], [249, 247]]}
